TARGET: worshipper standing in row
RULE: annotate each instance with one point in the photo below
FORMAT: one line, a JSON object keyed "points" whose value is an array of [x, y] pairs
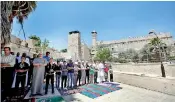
{"points": [[111, 73], [7, 69], [83, 72], [91, 73], [38, 75], [21, 69], [95, 72], [30, 72], [76, 68], [106, 69], [18, 58], [64, 75], [49, 75], [58, 74], [70, 67], [47, 57], [79, 73], [87, 73], [101, 67]]}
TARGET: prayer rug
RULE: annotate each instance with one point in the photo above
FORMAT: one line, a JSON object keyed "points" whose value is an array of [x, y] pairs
{"points": [[70, 91], [49, 99], [49, 94], [97, 90]]}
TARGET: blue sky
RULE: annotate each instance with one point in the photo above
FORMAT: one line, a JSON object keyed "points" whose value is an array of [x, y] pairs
{"points": [[112, 20]]}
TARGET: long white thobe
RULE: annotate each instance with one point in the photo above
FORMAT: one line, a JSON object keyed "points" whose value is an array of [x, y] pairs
{"points": [[100, 77]]}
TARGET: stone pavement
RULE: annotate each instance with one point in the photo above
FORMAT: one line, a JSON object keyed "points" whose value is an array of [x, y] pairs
{"points": [[127, 94]]}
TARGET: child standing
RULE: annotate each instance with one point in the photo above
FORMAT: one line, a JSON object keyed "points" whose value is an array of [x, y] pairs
{"points": [[21, 69], [50, 75]]}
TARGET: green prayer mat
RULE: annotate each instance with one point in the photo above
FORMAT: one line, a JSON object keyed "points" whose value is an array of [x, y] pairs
{"points": [[50, 99]]}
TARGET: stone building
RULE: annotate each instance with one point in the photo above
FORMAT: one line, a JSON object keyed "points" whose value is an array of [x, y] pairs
{"points": [[18, 45], [85, 52], [135, 43], [74, 45], [94, 43], [21, 46]]}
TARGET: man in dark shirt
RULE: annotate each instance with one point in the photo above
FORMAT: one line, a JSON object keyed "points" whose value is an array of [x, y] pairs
{"points": [[70, 67], [18, 58], [58, 74], [87, 73], [50, 75], [64, 75], [21, 69]]}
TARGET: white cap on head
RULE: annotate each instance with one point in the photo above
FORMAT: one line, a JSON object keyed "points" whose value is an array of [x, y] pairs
{"points": [[76, 62]]}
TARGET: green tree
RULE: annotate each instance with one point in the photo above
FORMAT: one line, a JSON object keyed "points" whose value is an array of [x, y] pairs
{"points": [[10, 10], [157, 48], [129, 55], [37, 42], [145, 53], [64, 50], [103, 54]]}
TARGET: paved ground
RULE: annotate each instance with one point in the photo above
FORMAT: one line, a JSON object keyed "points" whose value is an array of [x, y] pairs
{"points": [[127, 94]]}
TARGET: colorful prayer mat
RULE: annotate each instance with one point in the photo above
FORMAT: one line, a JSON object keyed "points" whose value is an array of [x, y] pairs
{"points": [[97, 90], [50, 99], [69, 92]]}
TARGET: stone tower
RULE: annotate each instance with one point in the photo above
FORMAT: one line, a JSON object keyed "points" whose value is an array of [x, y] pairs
{"points": [[94, 38], [94, 44], [74, 45]]}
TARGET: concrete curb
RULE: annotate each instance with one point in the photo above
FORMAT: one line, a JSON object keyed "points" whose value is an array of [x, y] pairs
{"points": [[158, 84]]}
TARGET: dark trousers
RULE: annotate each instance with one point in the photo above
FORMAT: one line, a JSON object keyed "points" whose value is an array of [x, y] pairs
{"points": [[95, 77], [87, 78], [6, 81], [111, 77], [48, 78], [64, 80], [79, 78], [20, 79], [29, 77]]}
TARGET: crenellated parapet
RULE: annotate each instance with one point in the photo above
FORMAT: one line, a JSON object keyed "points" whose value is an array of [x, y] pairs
{"points": [[137, 39]]}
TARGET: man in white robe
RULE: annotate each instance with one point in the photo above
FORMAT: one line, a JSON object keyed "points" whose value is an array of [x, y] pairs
{"points": [[101, 77]]}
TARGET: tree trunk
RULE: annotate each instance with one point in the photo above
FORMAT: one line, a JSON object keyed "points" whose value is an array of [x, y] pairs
{"points": [[6, 10]]}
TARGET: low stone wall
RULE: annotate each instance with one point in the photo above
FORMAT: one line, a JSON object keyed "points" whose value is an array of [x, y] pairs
{"points": [[163, 85], [145, 68]]}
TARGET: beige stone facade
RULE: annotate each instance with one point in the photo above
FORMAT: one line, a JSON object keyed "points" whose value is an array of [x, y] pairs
{"points": [[74, 45], [85, 51], [135, 43], [18, 45]]}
